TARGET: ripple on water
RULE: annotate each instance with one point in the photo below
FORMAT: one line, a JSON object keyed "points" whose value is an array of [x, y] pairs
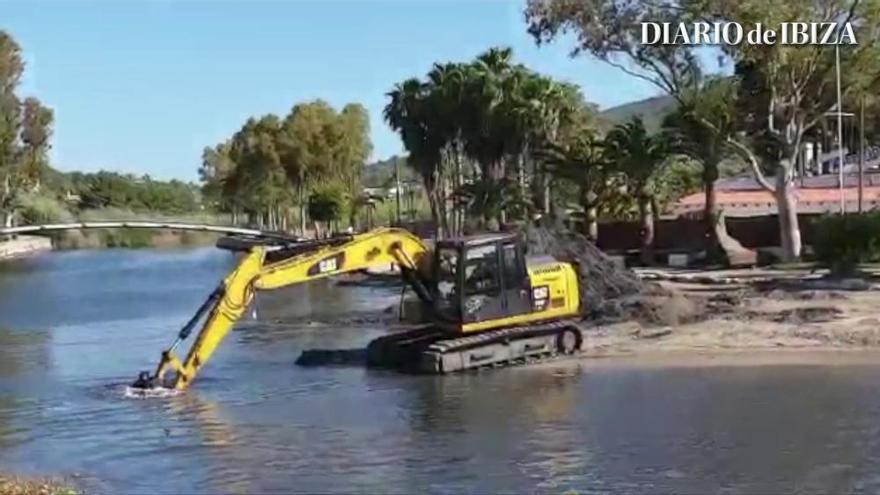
{"points": [[129, 392]]}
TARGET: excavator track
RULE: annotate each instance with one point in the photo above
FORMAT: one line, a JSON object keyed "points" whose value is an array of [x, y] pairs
{"points": [[426, 350]]}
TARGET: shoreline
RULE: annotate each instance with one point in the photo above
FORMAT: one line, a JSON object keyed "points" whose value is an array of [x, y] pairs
{"points": [[23, 246], [739, 357]]}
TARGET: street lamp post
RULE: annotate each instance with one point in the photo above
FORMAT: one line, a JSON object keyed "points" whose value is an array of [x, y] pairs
{"points": [[839, 131]]}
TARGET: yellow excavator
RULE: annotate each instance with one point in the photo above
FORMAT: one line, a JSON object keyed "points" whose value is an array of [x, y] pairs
{"points": [[486, 304]]}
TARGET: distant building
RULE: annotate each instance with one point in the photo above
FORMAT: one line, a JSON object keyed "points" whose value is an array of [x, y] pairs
{"points": [[744, 197]]}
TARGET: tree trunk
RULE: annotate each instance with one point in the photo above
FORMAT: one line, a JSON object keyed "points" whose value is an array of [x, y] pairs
{"points": [[435, 212], [646, 219], [591, 223], [655, 217], [545, 192], [456, 225], [789, 228], [302, 210], [710, 213]]}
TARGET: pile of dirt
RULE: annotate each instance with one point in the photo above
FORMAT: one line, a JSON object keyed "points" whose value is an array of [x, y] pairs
{"points": [[608, 291], [601, 278]]}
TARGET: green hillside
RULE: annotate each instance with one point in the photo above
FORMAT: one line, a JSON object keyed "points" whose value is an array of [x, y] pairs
{"points": [[380, 174], [652, 111]]}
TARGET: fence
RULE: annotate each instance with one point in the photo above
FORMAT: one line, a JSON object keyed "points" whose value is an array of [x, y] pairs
{"points": [[686, 234]]}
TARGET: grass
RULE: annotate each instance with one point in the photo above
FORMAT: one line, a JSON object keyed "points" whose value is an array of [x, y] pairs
{"points": [[17, 485]]}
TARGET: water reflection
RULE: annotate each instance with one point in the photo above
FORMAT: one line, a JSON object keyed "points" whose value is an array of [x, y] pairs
{"points": [[256, 423]]}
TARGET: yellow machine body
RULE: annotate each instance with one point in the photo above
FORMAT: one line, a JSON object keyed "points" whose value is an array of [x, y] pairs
{"points": [[555, 295], [550, 293]]}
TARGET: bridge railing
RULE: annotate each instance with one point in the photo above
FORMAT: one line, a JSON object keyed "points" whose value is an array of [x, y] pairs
{"points": [[220, 229]]}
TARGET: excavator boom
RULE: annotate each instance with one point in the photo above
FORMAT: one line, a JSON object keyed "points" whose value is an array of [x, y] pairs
{"points": [[489, 305], [260, 269]]}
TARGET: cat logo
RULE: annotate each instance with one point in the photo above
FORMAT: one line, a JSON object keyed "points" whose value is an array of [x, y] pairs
{"points": [[540, 295], [328, 265]]}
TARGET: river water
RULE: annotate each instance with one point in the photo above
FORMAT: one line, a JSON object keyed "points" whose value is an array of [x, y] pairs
{"points": [[76, 326]]}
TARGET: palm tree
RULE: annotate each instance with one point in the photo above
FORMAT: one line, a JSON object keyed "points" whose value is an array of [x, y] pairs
{"points": [[584, 162], [473, 119], [410, 114], [448, 109], [639, 156]]}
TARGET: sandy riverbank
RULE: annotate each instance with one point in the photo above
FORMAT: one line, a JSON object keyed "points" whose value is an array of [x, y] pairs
{"points": [[755, 319], [24, 246], [750, 319]]}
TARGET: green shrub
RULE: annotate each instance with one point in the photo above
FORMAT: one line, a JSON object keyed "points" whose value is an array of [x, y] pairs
{"points": [[842, 242], [37, 209], [128, 238]]}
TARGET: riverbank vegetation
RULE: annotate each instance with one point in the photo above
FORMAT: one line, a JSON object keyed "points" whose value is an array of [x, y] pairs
{"points": [[306, 164], [16, 485], [491, 143]]}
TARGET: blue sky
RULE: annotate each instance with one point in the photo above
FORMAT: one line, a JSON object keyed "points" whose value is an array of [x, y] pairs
{"points": [[143, 86]]}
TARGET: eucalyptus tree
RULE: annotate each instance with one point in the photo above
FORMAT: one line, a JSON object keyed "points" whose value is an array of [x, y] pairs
{"points": [[36, 131], [316, 144], [354, 148], [25, 132], [216, 169], [11, 69], [260, 179]]}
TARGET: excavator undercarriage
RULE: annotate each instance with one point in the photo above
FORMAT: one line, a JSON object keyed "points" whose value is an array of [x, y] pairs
{"points": [[486, 304], [432, 350]]}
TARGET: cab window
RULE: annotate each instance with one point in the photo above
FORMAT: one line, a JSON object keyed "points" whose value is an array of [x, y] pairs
{"points": [[481, 271], [447, 270], [514, 272]]}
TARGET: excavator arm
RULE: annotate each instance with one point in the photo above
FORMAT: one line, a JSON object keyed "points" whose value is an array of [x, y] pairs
{"points": [[260, 269]]}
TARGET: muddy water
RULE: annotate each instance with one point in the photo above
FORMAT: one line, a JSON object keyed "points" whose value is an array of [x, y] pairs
{"points": [[74, 327]]}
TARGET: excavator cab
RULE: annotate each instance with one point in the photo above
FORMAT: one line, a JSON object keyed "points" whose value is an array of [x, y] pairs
{"points": [[480, 278]]}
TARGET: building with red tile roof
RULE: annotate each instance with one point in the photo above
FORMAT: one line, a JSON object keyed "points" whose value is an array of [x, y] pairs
{"points": [[744, 197]]}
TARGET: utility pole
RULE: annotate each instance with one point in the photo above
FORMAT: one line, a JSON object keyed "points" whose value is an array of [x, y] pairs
{"points": [[839, 131], [397, 186], [861, 149]]}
